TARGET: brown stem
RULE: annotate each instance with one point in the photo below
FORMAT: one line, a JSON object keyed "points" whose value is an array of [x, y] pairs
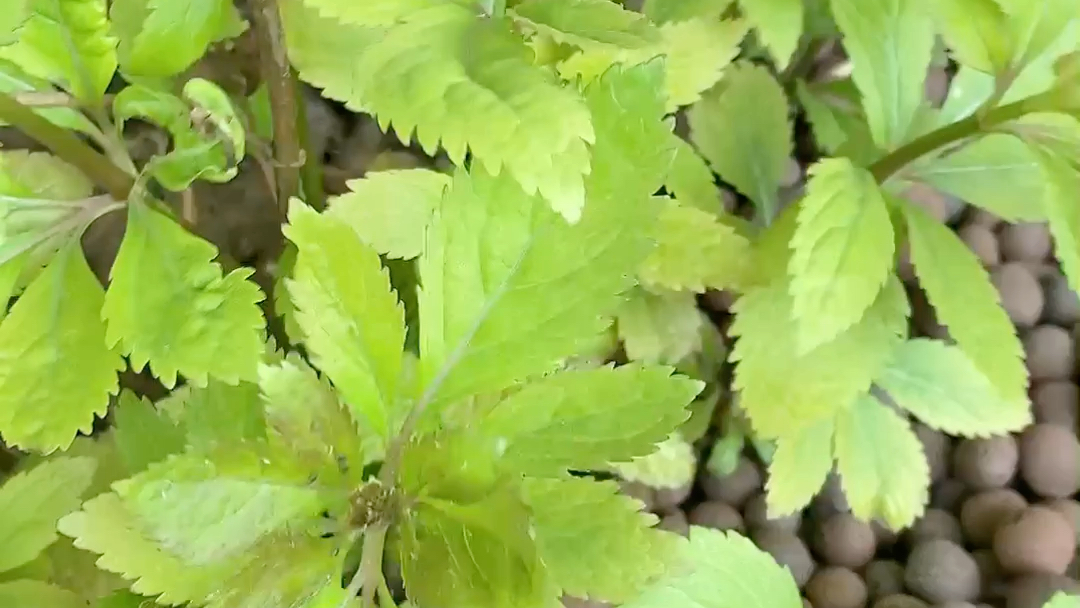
{"points": [[284, 108]]}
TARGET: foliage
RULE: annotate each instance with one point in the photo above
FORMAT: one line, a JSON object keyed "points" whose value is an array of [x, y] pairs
{"points": [[468, 353]]}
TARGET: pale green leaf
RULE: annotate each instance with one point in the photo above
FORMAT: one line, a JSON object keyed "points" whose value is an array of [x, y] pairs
{"points": [[583, 419], [779, 25], [169, 305], [67, 42], [837, 119], [799, 468], [940, 386], [510, 289], [660, 326], [56, 373], [27, 174], [752, 155], [1036, 25], [889, 43], [691, 180], [596, 541], [37, 594], [14, 80], [353, 324], [390, 210], [1062, 180], [842, 251], [783, 391], [672, 465], [144, 435], [1062, 600], [720, 569], [14, 15], [966, 302], [881, 463], [996, 172], [208, 508], [172, 34], [587, 23], [33, 501], [698, 51], [694, 251], [377, 13], [977, 32], [453, 80], [664, 11], [218, 413]]}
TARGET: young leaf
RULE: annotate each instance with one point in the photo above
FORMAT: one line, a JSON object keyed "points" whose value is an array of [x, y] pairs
{"points": [[587, 23], [33, 501], [977, 32], [996, 172], [352, 322], [584, 419], [799, 468], [966, 302], [508, 288], [749, 154], [67, 42], [26, 593], [842, 251], [169, 305], [170, 35], [478, 92], [721, 570], [144, 435], [209, 508], [56, 373], [779, 25], [691, 180], [673, 465], [881, 464], [595, 541], [837, 119], [694, 251], [890, 43], [698, 52], [659, 327], [390, 210], [782, 390], [940, 385]]}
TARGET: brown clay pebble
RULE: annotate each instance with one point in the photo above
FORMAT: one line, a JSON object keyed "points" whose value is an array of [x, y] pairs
{"points": [[736, 487], [990, 573], [845, 541], [1038, 539], [931, 200], [942, 571], [1050, 460], [900, 600], [788, 551], [669, 499], [1050, 353], [1021, 295], [954, 605], [1025, 242], [830, 500], [1056, 402], [982, 514], [834, 587], [935, 523], [982, 217], [948, 494], [806, 603], [986, 463], [675, 522], [640, 491], [1062, 303], [937, 446], [717, 515], [756, 516], [884, 577], [982, 242], [1034, 590], [1070, 510]]}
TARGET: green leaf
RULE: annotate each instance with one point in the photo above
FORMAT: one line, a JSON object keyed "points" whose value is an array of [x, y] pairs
{"points": [[143, 434], [784, 391], [13, 18], [940, 386], [660, 327], [33, 501], [799, 467], [779, 25], [752, 155], [596, 542], [453, 80], [691, 180], [218, 413], [377, 13], [997, 172], [587, 23], [390, 210], [1062, 179], [889, 43], [510, 289], [836, 117], [169, 305], [664, 11], [56, 373], [473, 554], [208, 508], [585, 419], [698, 52], [67, 42], [977, 32], [171, 35], [1036, 25], [842, 251], [1062, 600], [722, 570], [37, 594], [353, 324], [41, 175], [15, 80], [672, 465], [694, 251], [881, 463], [966, 302]]}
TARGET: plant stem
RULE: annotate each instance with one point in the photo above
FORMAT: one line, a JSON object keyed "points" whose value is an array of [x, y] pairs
{"points": [[67, 146], [277, 74], [369, 573]]}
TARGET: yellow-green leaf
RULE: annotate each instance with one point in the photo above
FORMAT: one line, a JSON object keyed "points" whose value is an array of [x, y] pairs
{"points": [[694, 251], [799, 467], [660, 326], [698, 52], [779, 25]]}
